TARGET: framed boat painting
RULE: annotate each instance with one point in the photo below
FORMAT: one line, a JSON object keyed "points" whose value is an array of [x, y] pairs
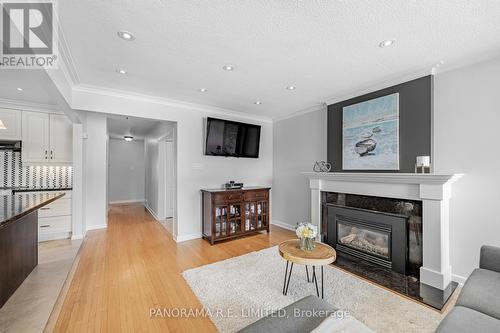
{"points": [[370, 134]]}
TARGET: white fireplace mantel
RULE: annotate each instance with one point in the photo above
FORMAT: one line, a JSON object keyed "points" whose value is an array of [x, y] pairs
{"points": [[434, 190]]}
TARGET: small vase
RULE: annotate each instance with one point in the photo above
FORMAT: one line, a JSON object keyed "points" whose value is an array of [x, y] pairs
{"points": [[307, 244]]}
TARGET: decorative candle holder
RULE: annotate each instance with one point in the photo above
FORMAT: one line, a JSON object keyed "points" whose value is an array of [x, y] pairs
{"points": [[423, 164]]}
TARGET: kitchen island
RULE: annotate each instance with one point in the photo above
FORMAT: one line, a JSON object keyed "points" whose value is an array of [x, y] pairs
{"points": [[19, 238]]}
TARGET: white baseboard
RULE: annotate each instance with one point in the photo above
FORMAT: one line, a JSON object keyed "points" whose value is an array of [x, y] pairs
{"points": [[126, 201], [283, 225], [74, 237], [151, 212], [458, 278], [184, 238], [95, 227]]}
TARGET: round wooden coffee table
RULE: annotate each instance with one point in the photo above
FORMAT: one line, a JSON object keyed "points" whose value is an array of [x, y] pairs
{"points": [[322, 255]]}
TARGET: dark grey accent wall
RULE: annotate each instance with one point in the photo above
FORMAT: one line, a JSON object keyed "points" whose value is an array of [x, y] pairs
{"points": [[415, 116]]}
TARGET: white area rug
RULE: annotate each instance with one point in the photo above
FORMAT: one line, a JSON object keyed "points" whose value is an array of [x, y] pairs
{"points": [[255, 281]]}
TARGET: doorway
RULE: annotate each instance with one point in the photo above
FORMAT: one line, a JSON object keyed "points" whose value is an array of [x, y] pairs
{"points": [[142, 163]]}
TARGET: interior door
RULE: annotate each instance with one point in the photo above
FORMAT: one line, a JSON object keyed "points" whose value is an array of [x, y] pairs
{"points": [[61, 139], [35, 137]]}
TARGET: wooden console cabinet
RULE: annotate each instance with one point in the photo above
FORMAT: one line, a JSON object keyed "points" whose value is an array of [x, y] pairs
{"points": [[234, 213]]}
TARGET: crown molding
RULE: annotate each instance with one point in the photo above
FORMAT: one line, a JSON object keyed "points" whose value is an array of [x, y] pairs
{"points": [[28, 106], [116, 93], [314, 108], [66, 60], [378, 86], [467, 62]]}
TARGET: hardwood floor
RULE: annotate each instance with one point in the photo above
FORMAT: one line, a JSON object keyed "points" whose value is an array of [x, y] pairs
{"points": [[134, 265]]}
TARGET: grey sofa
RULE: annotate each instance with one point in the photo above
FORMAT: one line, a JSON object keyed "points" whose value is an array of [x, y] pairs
{"points": [[289, 322], [478, 306]]}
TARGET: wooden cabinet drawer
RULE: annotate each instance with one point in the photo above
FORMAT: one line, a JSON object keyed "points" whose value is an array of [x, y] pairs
{"points": [[256, 195], [221, 198], [53, 225], [60, 207]]}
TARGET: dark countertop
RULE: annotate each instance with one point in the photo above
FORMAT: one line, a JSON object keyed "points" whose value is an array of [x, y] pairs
{"points": [[246, 188], [12, 207], [40, 189]]}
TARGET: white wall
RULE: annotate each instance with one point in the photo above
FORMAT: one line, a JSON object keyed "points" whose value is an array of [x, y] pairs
{"points": [[126, 170], [77, 219], [298, 143], [194, 169], [95, 171], [156, 169], [466, 124]]}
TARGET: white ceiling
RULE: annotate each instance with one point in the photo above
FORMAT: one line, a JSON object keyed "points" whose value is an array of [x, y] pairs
{"points": [[325, 48], [37, 87], [119, 126]]}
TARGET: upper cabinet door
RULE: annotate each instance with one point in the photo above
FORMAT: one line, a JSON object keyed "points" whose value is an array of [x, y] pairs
{"points": [[35, 137], [61, 139], [12, 120]]}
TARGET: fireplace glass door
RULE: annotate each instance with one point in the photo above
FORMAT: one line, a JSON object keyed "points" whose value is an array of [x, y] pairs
{"points": [[365, 239]]}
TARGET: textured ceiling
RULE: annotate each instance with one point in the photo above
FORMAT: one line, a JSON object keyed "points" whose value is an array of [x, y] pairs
{"points": [[118, 126], [325, 48], [37, 88]]}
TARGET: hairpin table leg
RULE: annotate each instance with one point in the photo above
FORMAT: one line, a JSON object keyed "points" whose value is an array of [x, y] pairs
{"points": [[289, 277], [315, 280], [286, 272], [322, 282]]}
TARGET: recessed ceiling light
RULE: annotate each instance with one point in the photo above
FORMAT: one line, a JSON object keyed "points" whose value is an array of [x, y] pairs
{"points": [[386, 43], [128, 138], [290, 88], [228, 68], [257, 103], [19, 89], [121, 71], [203, 90], [126, 35]]}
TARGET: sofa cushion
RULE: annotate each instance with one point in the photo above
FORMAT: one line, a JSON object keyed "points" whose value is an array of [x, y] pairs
{"points": [[297, 317], [341, 324], [481, 292], [464, 320]]}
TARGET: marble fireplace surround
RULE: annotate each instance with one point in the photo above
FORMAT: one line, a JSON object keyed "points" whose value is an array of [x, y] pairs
{"points": [[432, 189]]}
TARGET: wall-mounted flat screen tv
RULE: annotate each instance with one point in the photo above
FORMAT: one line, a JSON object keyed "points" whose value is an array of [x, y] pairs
{"points": [[232, 139]]}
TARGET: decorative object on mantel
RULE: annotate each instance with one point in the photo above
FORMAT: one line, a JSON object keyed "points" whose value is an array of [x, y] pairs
{"points": [[307, 233], [322, 166], [370, 134], [423, 164]]}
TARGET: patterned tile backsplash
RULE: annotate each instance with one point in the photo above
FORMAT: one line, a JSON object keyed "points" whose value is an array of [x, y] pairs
{"points": [[14, 173]]}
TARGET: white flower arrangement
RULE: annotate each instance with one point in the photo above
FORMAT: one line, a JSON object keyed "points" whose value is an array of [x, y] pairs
{"points": [[306, 230]]}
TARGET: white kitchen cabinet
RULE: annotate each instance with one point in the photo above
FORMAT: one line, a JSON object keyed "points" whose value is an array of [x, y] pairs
{"points": [[61, 139], [46, 138], [54, 220], [12, 120], [35, 137]]}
